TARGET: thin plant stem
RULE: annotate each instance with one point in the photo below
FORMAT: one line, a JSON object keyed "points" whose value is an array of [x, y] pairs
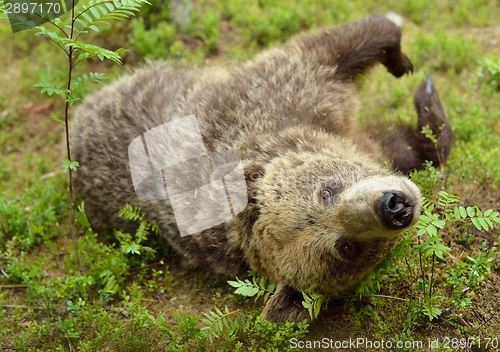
{"points": [[432, 274], [421, 264], [410, 271], [68, 149]]}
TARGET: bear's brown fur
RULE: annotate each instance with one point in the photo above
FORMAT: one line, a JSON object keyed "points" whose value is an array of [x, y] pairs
{"points": [[322, 209]]}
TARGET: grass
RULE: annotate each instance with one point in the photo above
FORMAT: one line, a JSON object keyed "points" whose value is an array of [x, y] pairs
{"points": [[130, 298]]}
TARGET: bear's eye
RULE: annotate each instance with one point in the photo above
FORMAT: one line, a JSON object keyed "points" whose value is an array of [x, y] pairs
{"points": [[346, 249], [327, 193]]}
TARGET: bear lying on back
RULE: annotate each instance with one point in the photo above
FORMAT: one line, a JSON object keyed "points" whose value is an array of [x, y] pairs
{"points": [[322, 208]]}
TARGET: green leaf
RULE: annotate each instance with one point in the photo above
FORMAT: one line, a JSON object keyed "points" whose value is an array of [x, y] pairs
{"points": [[431, 230], [431, 312], [470, 212], [100, 12], [83, 56], [72, 100], [132, 248], [479, 213], [251, 289], [217, 321], [476, 223], [488, 212], [109, 6], [57, 119], [439, 223], [81, 24], [247, 291], [95, 50], [68, 164], [81, 217], [489, 222], [440, 250], [313, 303], [484, 224], [463, 212], [87, 18], [426, 219], [49, 88], [95, 12], [82, 81], [234, 283], [428, 252], [130, 213]]}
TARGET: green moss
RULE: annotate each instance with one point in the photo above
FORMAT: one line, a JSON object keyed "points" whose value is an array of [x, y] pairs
{"points": [[153, 43], [441, 51]]}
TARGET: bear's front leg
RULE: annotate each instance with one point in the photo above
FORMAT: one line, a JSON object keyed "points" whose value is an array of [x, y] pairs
{"points": [[285, 305], [356, 47]]}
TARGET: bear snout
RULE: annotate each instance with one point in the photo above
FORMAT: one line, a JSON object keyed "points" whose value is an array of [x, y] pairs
{"points": [[395, 210]]}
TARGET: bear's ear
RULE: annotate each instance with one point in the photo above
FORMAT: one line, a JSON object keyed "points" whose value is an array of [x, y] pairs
{"points": [[253, 173], [253, 170]]}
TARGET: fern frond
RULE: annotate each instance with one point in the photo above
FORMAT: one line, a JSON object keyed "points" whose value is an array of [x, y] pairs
{"points": [[94, 50], [447, 200], [313, 303], [427, 204], [142, 232], [482, 221], [130, 212], [253, 288], [84, 80], [101, 11], [244, 288], [50, 88], [217, 321], [132, 244]]}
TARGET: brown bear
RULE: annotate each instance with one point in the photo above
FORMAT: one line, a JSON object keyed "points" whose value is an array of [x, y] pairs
{"points": [[322, 208]]}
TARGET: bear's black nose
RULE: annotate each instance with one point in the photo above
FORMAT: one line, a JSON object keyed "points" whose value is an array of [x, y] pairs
{"points": [[395, 210]]}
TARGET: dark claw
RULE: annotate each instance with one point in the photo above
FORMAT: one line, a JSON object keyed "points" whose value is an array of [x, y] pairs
{"points": [[398, 63], [410, 69], [429, 84], [406, 65]]}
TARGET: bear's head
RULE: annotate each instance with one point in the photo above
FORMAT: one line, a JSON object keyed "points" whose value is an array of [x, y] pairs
{"points": [[327, 219]]}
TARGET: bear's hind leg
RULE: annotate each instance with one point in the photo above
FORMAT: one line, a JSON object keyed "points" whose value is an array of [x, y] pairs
{"points": [[409, 148], [285, 305]]}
